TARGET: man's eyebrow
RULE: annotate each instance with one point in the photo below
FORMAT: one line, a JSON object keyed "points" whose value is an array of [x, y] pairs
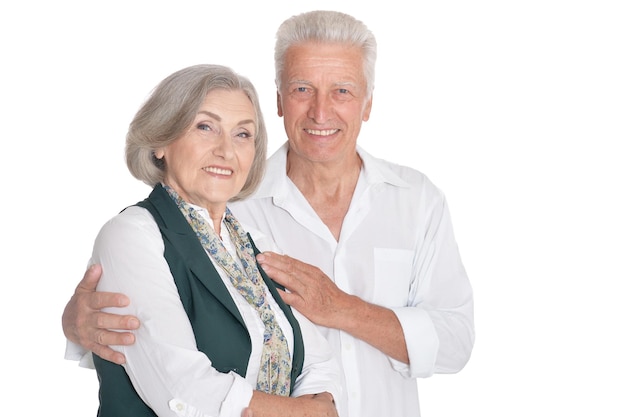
{"points": [[299, 82]]}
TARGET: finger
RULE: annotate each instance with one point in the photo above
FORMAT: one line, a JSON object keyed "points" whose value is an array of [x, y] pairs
{"points": [[96, 339], [109, 354], [283, 267], [111, 321], [111, 338], [274, 260], [82, 316], [86, 290], [100, 299], [287, 264], [290, 298], [90, 279], [281, 277]]}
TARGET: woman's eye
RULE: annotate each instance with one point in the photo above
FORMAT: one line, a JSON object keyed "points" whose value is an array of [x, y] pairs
{"points": [[245, 135], [203, 126]]}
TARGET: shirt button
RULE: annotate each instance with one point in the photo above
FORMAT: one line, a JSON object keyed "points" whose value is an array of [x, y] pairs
{"points": [[177, 406]]}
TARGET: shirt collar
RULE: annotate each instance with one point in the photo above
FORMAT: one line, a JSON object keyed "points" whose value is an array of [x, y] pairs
{"points": [[275, 182]]}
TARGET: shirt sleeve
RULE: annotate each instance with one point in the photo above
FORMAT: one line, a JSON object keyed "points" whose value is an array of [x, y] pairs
{"points": [[164, 365], [438, 322]]}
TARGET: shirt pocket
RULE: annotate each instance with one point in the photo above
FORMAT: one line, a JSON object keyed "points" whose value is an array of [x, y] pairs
{"points": [[392, 272]]}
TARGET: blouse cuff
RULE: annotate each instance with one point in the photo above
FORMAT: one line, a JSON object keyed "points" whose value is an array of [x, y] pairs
{"points": [[74, 352], [238, 398]]}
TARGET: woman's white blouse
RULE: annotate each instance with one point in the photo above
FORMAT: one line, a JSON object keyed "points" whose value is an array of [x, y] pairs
{"points": [[164, 365]]}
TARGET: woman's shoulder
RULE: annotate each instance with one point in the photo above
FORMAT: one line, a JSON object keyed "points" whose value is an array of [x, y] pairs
{"points": [[129, 222]]}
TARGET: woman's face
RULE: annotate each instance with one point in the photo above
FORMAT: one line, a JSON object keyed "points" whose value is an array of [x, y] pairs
{"points": [[210, 162]]}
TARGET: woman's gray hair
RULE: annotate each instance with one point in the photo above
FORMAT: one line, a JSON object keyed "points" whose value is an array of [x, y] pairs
{"points": [[326, 26], [171, 109]]}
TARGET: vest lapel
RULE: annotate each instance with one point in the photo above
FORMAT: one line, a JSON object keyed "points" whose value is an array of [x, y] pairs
{"points": [[182, 237], [298, 349]]}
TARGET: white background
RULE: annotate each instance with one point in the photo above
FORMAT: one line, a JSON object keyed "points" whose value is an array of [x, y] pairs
{"points": [[516, 109]]}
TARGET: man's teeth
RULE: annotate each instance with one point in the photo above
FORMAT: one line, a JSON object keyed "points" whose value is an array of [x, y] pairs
{"points": [[218, 171], [322, 132]]}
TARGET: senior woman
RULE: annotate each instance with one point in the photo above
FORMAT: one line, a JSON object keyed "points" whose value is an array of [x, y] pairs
{"points": [[216, 338]]}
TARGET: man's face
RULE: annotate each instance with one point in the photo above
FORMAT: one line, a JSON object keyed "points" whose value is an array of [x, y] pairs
{"points": [[323, 100]]}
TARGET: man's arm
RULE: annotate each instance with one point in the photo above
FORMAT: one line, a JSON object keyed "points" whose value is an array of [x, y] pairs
{"points": [[85, 324], [315, 296], [263, 404]]}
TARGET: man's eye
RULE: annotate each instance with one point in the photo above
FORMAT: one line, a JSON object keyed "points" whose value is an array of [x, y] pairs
{"points": [[301, 89], [343, 91]]}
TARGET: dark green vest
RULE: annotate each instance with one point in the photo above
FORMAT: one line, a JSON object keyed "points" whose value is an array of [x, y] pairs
{"points": [[208, 304]]}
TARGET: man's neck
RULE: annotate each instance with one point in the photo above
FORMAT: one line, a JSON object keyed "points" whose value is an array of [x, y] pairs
{"points": [[327, 186]]}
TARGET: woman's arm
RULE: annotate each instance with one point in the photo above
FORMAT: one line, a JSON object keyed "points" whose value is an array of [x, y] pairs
{"points": [[164, 363]]}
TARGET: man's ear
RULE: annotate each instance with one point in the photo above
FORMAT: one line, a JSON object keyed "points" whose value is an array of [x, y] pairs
{"points": [[368, 109], [279, 104]]}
